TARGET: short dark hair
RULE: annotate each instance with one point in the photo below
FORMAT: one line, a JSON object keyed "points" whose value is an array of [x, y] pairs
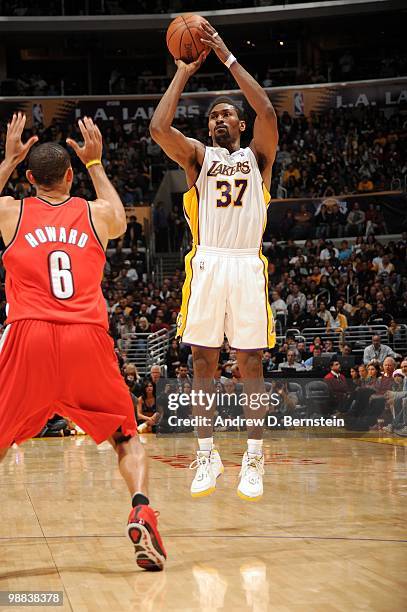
{"points": [[48, 163], [226, 100]]}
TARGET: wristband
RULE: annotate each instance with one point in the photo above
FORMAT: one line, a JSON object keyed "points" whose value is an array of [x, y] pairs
{"points": [[93, 162], [230, 60]]}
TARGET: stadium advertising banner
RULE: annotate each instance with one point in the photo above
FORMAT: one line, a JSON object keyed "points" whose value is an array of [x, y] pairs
{"points": [[298, 101]]}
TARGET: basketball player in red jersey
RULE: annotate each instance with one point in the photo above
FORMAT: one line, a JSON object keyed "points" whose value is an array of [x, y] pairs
{"points": [[56, 354], [226, 288]]}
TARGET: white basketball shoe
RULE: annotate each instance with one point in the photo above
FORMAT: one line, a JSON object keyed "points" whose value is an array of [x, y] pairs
{"points": [[208, 468], [251, 482]]}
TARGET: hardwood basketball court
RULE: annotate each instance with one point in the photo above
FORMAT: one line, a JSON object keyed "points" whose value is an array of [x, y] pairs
{"points": [[329, 535]]}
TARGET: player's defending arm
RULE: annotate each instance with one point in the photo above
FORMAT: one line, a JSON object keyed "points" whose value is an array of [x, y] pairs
{"points": [[265, 133], [187, 152], [16, 151], [108, 211]]}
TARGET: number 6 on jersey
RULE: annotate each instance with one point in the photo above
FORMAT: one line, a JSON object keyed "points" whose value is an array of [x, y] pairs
{"points": [[60, 275]]}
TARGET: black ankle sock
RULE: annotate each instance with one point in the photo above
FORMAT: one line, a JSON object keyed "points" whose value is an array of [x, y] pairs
{"points": [[139, 500]]}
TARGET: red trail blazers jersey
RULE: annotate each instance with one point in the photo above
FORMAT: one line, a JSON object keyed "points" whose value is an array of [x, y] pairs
{"points": [[54, 264]]}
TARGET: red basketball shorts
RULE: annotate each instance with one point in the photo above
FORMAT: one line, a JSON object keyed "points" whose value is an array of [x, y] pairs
{"points": [[71, 370]]}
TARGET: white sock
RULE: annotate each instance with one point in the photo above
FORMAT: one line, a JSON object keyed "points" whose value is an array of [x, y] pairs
{"points": [[255, 447], [205, 445]]}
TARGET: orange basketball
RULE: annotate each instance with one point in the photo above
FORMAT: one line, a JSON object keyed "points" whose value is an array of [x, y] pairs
{"points": [[183, 38]]}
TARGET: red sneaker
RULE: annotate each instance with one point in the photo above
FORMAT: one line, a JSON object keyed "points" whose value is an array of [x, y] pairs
{"points": [[148, 546]]}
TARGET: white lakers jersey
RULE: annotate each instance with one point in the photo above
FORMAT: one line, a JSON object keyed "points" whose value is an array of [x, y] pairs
{"points": [[227, 206]]}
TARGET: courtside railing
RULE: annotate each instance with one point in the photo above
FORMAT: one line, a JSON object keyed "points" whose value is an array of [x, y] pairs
{"points": [[147, 349]]}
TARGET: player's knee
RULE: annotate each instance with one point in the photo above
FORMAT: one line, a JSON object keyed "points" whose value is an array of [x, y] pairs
{"points": [[251, 365], [203, 365], [3, 453], [129, 445]]}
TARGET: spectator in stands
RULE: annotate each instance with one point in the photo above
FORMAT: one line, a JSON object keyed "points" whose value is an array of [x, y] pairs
{"points": [[131, 272], [321, 222], [377, 351], [397, 334], [311, 319], [173, 359], [324, 314], [142, 331], [375, 223], [354, 381], [396, 401], [338, 322], [269, 364], [329, 252], [294, 318], [134, 232], [385, 384], [338, 387], [287, 400], [362, 369], [345, 251], [296, 296], [155, 374], [380, 316], [373, 374], [132, 379], [278, 307], [147, 411], [183, 375], [355, 221], [316, 342], [384, 267], [291, 172], [365, 184], [291, 362], [317, 352], [336, 222], [127, 328]]}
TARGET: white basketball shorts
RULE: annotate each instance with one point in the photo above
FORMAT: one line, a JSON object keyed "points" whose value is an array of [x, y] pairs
{"points": [[226, 292]]}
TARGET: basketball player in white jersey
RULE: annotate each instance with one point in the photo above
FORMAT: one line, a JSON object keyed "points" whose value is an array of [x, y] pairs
{"points": [[225, 289]]}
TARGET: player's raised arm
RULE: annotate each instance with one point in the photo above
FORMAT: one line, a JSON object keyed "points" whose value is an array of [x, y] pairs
{"points": [[265, 133], [108, 209], [187, 152], [16, 150]]}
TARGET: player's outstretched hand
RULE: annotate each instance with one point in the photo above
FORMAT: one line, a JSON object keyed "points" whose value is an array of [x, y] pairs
{"points": [[210, 37], [191, 68], [16, 150], [92, 141]]}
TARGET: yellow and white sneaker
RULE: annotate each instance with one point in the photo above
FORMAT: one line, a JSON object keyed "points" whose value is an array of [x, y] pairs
{"points": [[251, 482], [208, 468]]}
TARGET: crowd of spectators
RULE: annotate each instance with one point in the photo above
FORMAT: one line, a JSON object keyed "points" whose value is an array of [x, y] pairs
{"points": [[340, 151], [362, 284], [359, 283]]}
